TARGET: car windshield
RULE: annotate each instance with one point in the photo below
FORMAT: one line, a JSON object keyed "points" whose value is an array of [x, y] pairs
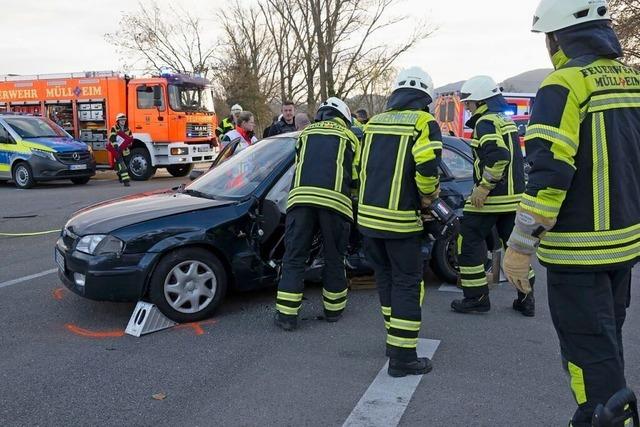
{"points": [[239, 176], [190, 98], [35, 127]]}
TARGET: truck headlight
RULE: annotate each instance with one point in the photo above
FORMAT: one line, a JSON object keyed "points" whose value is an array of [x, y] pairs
{"points": [[100, 244], [179, 151], [44, 154]]}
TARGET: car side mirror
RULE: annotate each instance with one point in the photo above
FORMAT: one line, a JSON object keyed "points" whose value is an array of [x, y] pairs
{"points": [[195, 174]]}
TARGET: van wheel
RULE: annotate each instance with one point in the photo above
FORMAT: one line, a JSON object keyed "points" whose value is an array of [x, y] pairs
{"points": [[188, 285], [139, 162], [180, 170], [81, 181], [23, 176]]}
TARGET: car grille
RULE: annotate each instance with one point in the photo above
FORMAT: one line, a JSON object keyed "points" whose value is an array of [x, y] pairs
{"points": [[198, 130], [74, 157]]}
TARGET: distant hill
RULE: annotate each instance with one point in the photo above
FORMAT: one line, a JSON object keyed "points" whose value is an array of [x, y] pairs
{"points": [[527, 82]]}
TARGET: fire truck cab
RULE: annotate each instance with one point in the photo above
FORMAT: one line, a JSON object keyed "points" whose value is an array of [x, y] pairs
{"points": [[171, 116]]}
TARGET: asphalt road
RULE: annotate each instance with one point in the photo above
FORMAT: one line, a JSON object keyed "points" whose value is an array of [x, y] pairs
{"points": [[65, 361]]}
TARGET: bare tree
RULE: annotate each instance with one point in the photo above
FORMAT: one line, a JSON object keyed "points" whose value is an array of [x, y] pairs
{"points": [[626, 17], [163, 38]]}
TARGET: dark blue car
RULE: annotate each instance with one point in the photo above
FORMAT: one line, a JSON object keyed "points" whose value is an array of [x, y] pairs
{"points": [[183, 248]]}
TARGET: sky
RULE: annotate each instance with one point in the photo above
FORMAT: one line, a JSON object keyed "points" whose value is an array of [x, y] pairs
{"points": [[473, 37]]}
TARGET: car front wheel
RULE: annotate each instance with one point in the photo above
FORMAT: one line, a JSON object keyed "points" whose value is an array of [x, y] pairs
{"points": [[23, 176], [444, 260], [188, 285]]}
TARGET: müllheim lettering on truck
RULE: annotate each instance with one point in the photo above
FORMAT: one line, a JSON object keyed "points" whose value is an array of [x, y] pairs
{"points": [[171, 115]]}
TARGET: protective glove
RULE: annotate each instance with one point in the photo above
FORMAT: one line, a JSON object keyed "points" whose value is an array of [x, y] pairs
{"points": [[427, 200], [516, 268], [479, 196]]}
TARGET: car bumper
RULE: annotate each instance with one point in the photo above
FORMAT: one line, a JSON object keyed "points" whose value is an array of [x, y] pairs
{"points": [[46, 169], [106, 278]]}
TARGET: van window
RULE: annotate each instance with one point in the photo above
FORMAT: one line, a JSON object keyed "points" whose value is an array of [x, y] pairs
{"points": [[4, 136], [146, 96]]}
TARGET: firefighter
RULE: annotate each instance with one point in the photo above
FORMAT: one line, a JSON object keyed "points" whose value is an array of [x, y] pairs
{"points": [[120, 165], [325, 173], [499, 184], [399, 175], [581, 207], [229, 123]]}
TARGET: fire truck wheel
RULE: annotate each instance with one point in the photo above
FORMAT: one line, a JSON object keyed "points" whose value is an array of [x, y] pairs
{"points": [[23, 176], [180, 170], [140, 168]]}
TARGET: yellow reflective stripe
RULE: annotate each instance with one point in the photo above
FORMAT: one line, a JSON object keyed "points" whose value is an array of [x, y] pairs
{"points": [[577, 383], [288, 296], [291, 311], [426, 184], [377, 211], [302, 141], [391, 130], [407, 325], [422, 292], [474, 283], [430, 146], [595, 239], [547, 203], [552, 134], [322, 202], [504, 199], [366, 149], [610, 101], [335, 306], [601, 200], [386, 311], [339, 165], [510, 183], [590, 257], [308, 190], [396, 183], [532, 273], [402, 342], [334, 295], [388, 225], [459, 244], [472, 270]]}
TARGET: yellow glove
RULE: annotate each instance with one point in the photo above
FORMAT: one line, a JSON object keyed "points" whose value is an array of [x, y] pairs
{"points": [[516, 268], [428, 200], [479, 196]]}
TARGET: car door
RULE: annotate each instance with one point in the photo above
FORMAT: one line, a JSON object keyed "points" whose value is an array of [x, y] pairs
{"points": [[150, 112], [7, 147]]}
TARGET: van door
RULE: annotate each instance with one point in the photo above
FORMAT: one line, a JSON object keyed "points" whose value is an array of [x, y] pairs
{"points": [[7, 147], [150, 112]]}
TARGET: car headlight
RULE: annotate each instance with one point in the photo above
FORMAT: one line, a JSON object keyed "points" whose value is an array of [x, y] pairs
{"points": [[100, 244], [44, 154]]}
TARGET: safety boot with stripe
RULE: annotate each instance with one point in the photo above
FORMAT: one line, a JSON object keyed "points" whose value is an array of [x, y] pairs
{"points": [[332, 316], [525, 304], [479, 304], [400, 368], [286, 322]]}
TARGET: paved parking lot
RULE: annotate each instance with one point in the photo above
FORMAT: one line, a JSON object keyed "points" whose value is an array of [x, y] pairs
{"points": [[66, 361]]}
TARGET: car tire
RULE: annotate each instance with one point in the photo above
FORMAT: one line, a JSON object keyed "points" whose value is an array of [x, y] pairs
{"points": [[81, 181], [180, 170], [139, 165], [444, 261], [188, 285], [23, 176]]}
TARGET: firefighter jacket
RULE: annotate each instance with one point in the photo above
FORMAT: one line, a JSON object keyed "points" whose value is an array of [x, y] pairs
{"points": [[113, 137], [400, 159], [584, 142], [327, 155], [225, 126], [497, 158]]}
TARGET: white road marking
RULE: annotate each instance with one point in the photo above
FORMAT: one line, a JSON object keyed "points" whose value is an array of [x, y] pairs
{"points": [[445, 287], [26, 278], [386, 399]]}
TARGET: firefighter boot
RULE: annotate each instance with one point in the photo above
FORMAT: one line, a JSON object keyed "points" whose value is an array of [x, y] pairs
{"points": [[332, 316], [400, 368], [126, 183], [525, 304], [480, 304], [286, 322]]}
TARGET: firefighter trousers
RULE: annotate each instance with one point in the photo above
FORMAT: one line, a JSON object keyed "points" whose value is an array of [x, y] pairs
{"points": [[398, 268], [302, 223], [588, 310], [121, 168], [472, 249]]}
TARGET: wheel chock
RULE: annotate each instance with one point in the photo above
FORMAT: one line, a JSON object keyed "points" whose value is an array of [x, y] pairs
{"points": [[146, 318]]}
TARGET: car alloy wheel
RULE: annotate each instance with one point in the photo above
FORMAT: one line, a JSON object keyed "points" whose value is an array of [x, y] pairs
{"points": [[190, 287]]}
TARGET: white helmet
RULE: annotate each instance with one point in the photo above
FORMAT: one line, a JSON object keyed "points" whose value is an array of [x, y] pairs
{"points": [[237, 108], [554, 15], [415, 78], [338, 105], [121, 116], [479, 88]]}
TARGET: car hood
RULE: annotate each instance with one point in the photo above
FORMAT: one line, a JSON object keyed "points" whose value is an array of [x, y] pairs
{"points": [[60, 145], [106, 217]]}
